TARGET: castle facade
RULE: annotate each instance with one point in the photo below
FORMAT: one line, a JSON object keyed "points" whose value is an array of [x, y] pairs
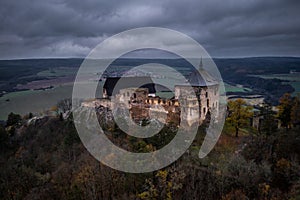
{"points": [[192, 102]]}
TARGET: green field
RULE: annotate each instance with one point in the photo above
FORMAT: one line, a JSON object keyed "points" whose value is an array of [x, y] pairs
{"points": [[35, 101], [57, 72], [232, 88]]}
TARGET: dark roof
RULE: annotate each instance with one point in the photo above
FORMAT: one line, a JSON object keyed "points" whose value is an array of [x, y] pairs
{"points": [[201, 78], [128, 82]]}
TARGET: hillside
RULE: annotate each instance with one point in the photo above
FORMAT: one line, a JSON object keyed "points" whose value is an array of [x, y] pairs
{"points": [[46, 160]]}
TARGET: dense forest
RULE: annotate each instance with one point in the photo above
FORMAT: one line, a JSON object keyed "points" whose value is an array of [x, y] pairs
{"points": [[43, 158]]}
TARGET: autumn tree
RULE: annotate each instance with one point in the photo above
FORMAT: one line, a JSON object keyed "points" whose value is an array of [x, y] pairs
{"points": [[268, 124], [13, 119], [295, 112], [285, 110], [239, 114], [3, 139], [163, 185]]}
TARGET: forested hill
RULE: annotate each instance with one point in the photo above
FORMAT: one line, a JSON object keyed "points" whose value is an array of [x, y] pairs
{"points": [[43, 158]]}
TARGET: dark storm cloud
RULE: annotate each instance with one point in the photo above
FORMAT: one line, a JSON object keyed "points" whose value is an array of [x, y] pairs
{"points": [[69, 28]]}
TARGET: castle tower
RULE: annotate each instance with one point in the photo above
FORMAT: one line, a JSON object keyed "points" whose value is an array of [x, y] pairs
{"points": [[206, 89]]}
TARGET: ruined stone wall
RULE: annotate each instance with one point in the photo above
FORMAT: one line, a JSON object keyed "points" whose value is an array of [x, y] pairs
{"points": [[95, 103], [208, 97], [184, 107], [132, 95]]}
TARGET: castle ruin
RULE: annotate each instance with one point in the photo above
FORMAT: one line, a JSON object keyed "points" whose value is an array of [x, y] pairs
{"points": [[192, 102]]}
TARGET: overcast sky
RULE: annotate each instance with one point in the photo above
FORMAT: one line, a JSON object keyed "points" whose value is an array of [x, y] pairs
{"points": [[225, 28]]}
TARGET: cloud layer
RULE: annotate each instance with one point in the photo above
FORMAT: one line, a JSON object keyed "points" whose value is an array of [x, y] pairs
{"points": [[71, 28]]}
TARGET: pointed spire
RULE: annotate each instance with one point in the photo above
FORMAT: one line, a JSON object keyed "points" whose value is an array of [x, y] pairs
{"points": [[201, 64]]}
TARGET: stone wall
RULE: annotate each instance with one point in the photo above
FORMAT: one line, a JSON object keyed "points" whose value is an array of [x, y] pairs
{"points": [[185, 106]]}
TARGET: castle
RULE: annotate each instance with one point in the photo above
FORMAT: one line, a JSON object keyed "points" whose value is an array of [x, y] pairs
{"points": [[142, 102]]}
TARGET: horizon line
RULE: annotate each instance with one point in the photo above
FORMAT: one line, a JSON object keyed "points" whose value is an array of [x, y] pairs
{"points": [[145, 58]]}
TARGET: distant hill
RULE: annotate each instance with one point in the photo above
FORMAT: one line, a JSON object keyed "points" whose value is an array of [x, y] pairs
{"points": [[233, 70]]}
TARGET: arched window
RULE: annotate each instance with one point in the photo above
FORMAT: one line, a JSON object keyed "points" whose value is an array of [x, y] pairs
{"points": [[204, 110], [207, 101], [206, 94]]}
